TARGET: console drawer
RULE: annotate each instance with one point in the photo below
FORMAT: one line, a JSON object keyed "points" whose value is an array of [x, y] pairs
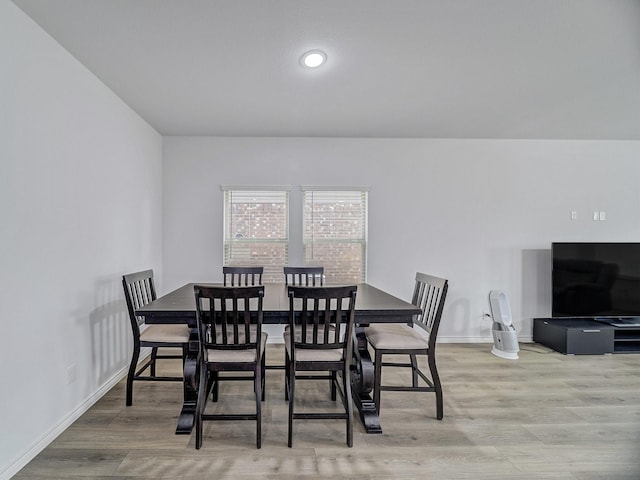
{"points": [[574, 336]]}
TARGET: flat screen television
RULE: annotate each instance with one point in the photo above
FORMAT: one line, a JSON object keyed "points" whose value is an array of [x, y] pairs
{"points": [[598, 280]]}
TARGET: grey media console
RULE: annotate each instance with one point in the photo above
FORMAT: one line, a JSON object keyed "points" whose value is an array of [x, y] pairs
{"points": [[583, 336]]}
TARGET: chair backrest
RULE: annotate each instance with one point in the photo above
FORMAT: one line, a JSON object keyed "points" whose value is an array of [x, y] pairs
{"points": [[229, 318], [138, 291], [322, 317], [304, 276], [429, 295], [239, 276]]}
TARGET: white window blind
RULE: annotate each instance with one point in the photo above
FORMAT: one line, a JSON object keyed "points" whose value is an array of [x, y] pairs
{"points": [[335, 233], [256, 230]]}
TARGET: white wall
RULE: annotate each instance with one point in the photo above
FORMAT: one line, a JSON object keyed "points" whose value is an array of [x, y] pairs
{"points": [[81, 182], [482, 213], [80, 195]]}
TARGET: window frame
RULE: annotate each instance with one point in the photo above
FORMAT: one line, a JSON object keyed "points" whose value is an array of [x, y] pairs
{"points": [[362, 240], [272, 271]]}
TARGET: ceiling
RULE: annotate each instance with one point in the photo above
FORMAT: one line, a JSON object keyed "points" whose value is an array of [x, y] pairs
{"points": [[553, 69]]}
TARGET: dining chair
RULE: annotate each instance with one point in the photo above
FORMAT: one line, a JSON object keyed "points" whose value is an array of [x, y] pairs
{"points": [[139, 290], [429, 295], [241, 276], [320, 339], [301, 276], [238, 276], [231, 340], [304, 276]]}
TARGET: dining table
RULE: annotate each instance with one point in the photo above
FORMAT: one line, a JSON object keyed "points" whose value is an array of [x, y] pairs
{"points": [[373, 305]]}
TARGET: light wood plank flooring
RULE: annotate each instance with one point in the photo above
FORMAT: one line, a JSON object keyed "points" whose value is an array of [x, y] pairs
{"points": [[544, 416]]}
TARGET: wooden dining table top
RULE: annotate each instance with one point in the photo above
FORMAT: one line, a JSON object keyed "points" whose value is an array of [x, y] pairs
{"points": [[372, 305]]}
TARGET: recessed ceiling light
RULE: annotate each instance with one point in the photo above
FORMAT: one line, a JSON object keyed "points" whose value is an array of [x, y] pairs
{"points": [[313, 59]]}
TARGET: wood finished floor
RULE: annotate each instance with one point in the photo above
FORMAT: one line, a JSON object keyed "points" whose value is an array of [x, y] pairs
{"points": [[544, 416]]}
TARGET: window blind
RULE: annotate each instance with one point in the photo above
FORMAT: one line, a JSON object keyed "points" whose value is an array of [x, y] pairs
{"points": [[335, 232], [256, 230]]}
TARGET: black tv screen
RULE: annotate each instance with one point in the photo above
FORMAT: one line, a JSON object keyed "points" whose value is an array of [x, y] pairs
{"points": [[595, 279]]}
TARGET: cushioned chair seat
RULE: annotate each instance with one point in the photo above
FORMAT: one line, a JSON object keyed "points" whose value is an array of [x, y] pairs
{"points": [[389, 336], [313, 355], [166, 333], [249, 355]]}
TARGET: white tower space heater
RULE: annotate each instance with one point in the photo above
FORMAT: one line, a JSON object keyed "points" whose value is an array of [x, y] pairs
{"points": [[505, 341]]}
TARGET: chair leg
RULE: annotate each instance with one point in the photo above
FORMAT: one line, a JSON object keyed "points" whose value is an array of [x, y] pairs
{"points": [[286, 377], [346, 386], [377, 380], [333, 381], [198, 422], [211, 381], [291, 392], [215, 378], [132, 372], [414, 370], [203, 392], [437, 386], [154, 354], [257, 379], [263, 366]]}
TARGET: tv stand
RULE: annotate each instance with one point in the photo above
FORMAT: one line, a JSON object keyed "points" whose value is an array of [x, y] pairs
{"points": [[586, 336], [622, 322]]}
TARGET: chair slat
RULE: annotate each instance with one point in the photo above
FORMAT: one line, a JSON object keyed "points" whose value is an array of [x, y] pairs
{"points": [[304, 276], [242, 276]]}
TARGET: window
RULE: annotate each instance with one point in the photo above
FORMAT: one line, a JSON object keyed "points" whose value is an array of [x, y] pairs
{"points": [[256, 229], [335, 232]]}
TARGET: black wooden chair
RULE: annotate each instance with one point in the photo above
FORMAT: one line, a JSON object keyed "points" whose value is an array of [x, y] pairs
{"points": [[320, 339], [231, 340], [388, 339], [139, 290], [239, 276], [304, 276]]}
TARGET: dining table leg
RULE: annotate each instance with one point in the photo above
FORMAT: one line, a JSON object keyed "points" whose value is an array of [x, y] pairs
{"points": [[362, 383], [187, 417]]}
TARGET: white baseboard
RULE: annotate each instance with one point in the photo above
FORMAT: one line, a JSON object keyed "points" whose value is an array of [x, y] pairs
{"points": [[39, 445], [442, 339]]}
